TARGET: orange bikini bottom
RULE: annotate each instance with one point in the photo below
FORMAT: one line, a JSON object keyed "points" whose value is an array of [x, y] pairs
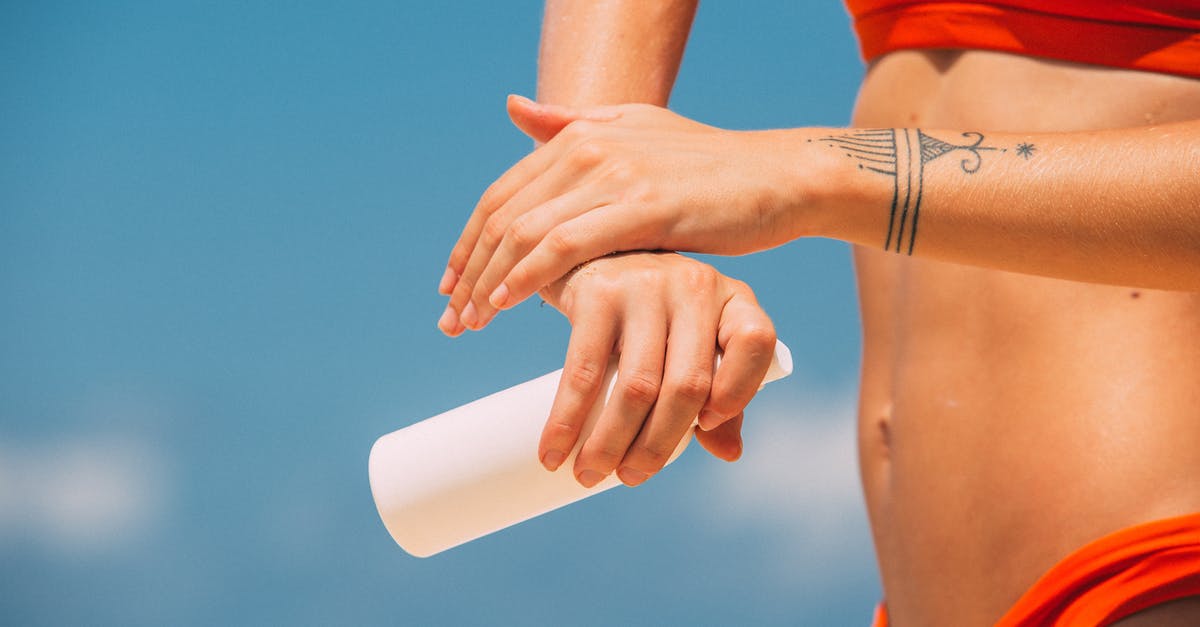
{"points": [[1111, 578]]}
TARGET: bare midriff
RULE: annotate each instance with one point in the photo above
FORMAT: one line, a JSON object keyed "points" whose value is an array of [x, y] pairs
{"points": [[1007, 420]]}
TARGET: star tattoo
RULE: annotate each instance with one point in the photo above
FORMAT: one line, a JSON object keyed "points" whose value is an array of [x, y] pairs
{"points": [[1026, 150]]}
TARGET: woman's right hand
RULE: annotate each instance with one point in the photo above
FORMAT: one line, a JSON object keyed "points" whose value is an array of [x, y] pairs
{"points": [[666, 315], [624, 178]]}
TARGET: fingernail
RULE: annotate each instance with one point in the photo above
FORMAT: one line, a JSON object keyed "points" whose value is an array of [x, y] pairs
{"points": [[735, 451], [446, 285], [589, 478], [631, 476], [499, 297], [520, 97], [469, 317], [553, 459], [710, 420], [448, 321]]}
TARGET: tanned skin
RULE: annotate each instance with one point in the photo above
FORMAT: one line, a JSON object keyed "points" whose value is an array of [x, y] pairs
{"points": [[1007, 419], [1018, 398]]}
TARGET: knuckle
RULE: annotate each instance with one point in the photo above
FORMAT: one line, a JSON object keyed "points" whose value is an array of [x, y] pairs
{"points": [[560, 430], [640, 389], [741, 287], [728, 402], [604, 456], [606, 287], [462, 292], [759, 335], [589, 152], [644, 281], [693, 386], [584, 376], [561, 242], [522, 232], [622, 172], [519, 279], [651, 457], [493, 232], [638, 190], [578, 129], [466, 285], [700, 278], [489, 201]]}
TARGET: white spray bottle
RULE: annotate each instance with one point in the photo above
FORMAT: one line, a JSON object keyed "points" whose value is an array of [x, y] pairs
{"points": [[474, 470]]}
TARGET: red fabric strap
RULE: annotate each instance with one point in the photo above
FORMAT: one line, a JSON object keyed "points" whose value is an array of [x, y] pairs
{"points": [[1111, 578], [1148, 41]]}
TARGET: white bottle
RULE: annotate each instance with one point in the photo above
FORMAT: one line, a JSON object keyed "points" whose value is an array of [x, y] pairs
{"points": [[474, 470]]}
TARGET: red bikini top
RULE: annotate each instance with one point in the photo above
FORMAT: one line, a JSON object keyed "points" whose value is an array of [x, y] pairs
{"points": [[1158, 36]]}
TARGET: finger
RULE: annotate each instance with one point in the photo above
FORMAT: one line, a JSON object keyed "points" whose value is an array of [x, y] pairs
{"points": [[449, 278], [747, 339], [593, 335], [559, 176], [492, 199], [524, 233], [687, 378], [449, 323], [592, 234], [639, 375], [542, 122], [725, 441]]}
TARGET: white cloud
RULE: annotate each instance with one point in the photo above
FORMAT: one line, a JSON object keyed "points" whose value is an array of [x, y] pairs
{"points": [[797, 481], [80, 495]]}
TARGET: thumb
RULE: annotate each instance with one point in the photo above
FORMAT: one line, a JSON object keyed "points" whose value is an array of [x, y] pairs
{"points": [[724, 441], [543, 121]]}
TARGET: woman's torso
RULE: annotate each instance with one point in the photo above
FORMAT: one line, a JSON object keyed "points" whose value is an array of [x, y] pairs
{"points": [[1007, 420]]}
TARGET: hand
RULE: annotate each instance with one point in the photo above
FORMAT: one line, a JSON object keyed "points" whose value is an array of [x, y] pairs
{"points": [[625, 177], [666, 315]]}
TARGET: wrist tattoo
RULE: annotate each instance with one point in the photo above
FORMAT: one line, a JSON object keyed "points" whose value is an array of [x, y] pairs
{"points": [[902, 153]]}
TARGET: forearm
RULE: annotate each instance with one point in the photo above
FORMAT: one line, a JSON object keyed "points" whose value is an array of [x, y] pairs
{"points": [[1119, 206], [611, 52], [592, 53]]}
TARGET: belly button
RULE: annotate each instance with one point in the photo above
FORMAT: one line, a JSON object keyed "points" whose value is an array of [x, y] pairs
{"points": [[884, 424]]}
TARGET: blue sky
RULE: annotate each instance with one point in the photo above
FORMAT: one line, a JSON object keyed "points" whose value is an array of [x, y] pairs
{"points": [[221, 228]]}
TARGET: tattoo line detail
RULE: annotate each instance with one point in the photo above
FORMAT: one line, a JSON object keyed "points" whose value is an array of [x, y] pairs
{"points": [[902, 153]]}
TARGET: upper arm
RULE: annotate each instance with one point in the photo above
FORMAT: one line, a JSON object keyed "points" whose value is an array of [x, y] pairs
{"points": [[613, 51]]}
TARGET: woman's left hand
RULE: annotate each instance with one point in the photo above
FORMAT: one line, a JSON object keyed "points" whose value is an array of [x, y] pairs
{"points": [[665, 315], [615, 178]]}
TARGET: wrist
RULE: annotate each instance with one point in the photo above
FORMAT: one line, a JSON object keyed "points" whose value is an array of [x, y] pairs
{"points": [[829, 195]]}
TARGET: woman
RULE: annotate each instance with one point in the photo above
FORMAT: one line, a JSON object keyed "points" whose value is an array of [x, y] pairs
{"points": [[1028, 271]]}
